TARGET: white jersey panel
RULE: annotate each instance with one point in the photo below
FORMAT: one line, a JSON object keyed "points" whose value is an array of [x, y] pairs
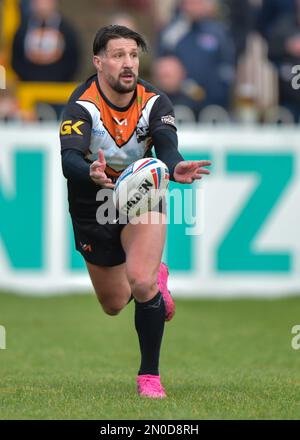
{"points": [[117, 157]]}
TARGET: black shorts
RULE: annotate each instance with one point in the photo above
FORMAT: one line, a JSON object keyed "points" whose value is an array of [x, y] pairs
{"points": [[100, 244]]}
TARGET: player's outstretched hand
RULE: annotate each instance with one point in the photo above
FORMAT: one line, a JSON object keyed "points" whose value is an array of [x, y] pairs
{"points": [[190, 170], [97, 173]]}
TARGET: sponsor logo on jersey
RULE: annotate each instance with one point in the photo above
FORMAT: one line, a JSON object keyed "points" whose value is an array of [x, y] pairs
{"points": [[98, 132], [142, 133], [122, 121], [67, 127], [169, 119]]}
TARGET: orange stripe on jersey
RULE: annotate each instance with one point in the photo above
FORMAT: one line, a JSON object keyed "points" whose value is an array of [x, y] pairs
{"points": [[92, 95], [120, 124]]}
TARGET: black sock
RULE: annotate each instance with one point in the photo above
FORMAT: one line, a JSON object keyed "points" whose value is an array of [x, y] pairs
{"points": [[149, 324]]}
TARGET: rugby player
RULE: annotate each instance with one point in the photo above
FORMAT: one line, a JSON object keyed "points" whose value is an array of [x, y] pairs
{"points": [[110, 121]]}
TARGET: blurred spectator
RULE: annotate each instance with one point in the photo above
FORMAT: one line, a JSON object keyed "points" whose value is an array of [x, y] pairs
{"points": [[164, 10], [45, 47], [125, 19], [143, 5], [24, 7], [169, 76], [204, 48], [284, 52], [10, 110], [270, 12], [240, 17]]}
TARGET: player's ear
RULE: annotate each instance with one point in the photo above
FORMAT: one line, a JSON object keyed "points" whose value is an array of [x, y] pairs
{"points": [[97, 62]]}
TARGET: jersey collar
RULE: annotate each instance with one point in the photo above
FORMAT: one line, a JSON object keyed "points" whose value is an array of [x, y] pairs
{"points": [[113, 106]]}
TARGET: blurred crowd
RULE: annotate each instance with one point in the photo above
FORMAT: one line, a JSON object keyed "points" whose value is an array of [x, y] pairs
{"points": [[218, 61]]}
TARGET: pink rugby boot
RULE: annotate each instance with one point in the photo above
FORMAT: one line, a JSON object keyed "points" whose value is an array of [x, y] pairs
{"points": [[150, 386], [162, 281]]}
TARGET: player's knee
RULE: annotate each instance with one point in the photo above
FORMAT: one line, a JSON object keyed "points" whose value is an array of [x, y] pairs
{"points": [[142, 284], [109, 307], [111, 311]]}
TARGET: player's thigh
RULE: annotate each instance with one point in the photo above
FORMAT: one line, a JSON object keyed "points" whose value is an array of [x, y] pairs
{"points": [[111, 286], [143, 244]]}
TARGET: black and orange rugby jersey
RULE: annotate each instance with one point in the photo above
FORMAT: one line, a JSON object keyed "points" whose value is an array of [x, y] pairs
{"points": [[91, 122], [125, 135]]}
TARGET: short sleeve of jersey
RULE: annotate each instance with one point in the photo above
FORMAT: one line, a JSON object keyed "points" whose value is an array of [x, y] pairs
{"points": [[162, 115], [76, 128]]}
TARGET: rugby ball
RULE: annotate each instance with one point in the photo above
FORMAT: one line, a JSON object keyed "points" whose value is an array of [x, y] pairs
{"points": [[141, 186]]}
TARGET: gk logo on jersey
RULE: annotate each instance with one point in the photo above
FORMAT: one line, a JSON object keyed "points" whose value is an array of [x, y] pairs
{"points": [[67, 127]]}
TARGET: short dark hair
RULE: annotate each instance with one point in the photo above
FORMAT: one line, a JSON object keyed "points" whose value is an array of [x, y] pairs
{"points": [[113, 32]]}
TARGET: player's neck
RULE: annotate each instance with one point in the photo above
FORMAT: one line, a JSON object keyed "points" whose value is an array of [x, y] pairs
{"points": [[117, 99]]}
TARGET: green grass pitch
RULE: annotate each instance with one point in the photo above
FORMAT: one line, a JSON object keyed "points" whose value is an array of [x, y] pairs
{"points": [[221, 359]]}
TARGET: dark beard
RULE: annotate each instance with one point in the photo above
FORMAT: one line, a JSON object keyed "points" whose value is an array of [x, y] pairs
{"points": [[120, 88]]}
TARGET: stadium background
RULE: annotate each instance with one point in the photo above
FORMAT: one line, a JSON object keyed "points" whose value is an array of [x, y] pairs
{"points": [[226, 358]]}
